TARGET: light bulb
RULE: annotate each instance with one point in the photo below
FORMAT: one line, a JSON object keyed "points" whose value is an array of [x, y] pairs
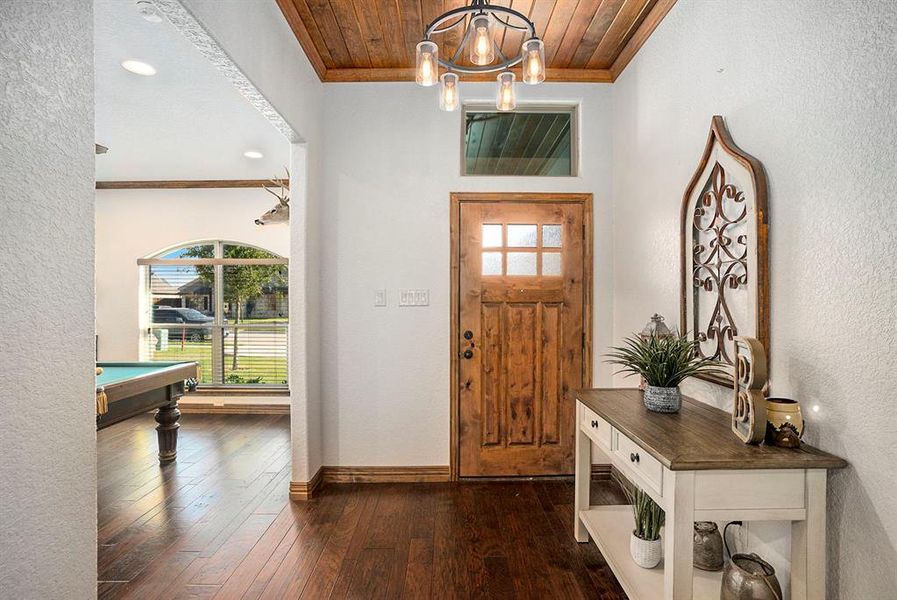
{"points": [[533, 66], [482, 45], [448, 92], [507, 100], [427, 63], [533, 61], [482, 50]]}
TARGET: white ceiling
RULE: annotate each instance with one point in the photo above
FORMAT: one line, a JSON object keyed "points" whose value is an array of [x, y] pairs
{"points": [[186, 122]]}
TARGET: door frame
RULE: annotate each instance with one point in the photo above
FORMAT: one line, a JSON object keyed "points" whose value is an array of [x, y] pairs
{"points": [[456, 200]]}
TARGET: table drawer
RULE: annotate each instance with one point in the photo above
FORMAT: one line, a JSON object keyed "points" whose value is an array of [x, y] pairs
{"points": [[637, 460], [597, 428]]}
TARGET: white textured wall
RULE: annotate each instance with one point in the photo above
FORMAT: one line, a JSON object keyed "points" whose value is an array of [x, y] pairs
{"points": [[132, 224], [279, 69], [809, 87], [392, 158], [47, 428]]}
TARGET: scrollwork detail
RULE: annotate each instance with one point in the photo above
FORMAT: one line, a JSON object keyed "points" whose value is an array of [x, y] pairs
{"points": [[719, 254]]}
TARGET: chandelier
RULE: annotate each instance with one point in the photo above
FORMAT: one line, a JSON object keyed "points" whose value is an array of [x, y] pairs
{"points": [[479, 21]]}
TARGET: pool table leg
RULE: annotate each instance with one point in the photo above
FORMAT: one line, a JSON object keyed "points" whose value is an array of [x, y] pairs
{"points": [[167, 430]]}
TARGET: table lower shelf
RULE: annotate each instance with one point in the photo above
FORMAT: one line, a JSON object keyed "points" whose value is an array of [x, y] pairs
{"points": [[610, 528]]}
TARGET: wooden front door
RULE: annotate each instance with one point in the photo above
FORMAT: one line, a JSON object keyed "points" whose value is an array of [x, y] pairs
{"points": [[521, 343]]}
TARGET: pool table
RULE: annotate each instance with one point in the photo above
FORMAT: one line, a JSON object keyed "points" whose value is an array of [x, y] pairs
{"points": [[127, 389]]}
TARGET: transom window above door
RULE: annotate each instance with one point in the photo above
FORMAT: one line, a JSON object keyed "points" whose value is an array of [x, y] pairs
{"points": [[521, 249], [531, 141]]}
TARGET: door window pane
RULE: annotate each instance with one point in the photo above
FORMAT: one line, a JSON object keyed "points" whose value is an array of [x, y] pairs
{"points": [[491, 236], [551, 236], [522, 236], [551, 264], [491, 263], [521, 263]]}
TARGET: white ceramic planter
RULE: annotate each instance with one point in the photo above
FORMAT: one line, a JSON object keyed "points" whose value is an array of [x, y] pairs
{"points": [[645, 554]]}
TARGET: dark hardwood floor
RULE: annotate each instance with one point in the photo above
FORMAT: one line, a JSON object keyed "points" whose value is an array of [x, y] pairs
{"points": [[218, 524]]}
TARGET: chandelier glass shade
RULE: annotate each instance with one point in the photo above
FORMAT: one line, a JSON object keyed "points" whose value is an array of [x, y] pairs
{"points": [[507, 99], [481, 24], [482, 48], [427, 69], [448, 91], [533, 61]]}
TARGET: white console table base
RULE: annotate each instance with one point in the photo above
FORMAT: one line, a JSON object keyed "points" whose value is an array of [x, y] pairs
{"points": [[725, 494]]}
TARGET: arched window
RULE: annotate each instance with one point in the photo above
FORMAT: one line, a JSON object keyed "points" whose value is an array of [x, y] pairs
{"points": [[223, 304]]}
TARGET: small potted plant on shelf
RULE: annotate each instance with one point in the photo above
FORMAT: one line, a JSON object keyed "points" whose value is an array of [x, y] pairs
{"points": [[664, 362], [644, 543]]}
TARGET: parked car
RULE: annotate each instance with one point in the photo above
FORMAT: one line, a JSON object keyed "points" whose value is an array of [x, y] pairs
{"points": [[186, 316]]}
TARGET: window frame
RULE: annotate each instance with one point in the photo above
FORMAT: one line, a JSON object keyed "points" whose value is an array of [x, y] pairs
{"points": [[219, 263], [566, 107]]}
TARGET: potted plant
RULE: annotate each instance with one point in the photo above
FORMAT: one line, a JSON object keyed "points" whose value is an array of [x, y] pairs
{"points": [[644, 543], [663, 361]]}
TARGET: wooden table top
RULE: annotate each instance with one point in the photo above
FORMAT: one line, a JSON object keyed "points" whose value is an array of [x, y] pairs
{"points": [[698, 437]]}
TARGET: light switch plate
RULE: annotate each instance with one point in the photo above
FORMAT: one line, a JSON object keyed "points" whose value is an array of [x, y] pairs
{"points": [[380, 298], [414, 297]]}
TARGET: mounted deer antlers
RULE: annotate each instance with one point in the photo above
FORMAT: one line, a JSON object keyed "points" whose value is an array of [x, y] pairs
{"points": [[281, 211]]}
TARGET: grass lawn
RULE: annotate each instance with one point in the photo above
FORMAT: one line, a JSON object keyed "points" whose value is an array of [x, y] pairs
{"points": [[271, 369]]}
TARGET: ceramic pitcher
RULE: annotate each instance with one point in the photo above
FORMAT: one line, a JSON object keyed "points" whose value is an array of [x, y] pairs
{"points": [[749, 577], [708, 546]]}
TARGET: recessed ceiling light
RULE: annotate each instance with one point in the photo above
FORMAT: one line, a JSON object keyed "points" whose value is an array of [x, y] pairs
{"points": [[253, 154], [138, 67]]}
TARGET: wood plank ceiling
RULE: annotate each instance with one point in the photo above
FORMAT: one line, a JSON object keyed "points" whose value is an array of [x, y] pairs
{"points": [[374, 40]]}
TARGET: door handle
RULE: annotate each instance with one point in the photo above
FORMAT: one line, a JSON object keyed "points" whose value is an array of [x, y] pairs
{"points": [[468, 354], [468, 335]]}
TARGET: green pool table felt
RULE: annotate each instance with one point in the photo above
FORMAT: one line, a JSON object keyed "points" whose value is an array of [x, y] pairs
{"points": [[117, 372]]}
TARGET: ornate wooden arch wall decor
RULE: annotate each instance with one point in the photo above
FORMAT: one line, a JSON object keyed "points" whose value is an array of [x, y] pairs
{"points": [[724, 255]]}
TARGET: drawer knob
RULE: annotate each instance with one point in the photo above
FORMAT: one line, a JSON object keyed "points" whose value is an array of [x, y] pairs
{"points": [[594, 423], [634, 457]]}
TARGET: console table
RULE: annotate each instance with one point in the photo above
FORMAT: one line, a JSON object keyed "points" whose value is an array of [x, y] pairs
{"points": [[695, 468]]}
